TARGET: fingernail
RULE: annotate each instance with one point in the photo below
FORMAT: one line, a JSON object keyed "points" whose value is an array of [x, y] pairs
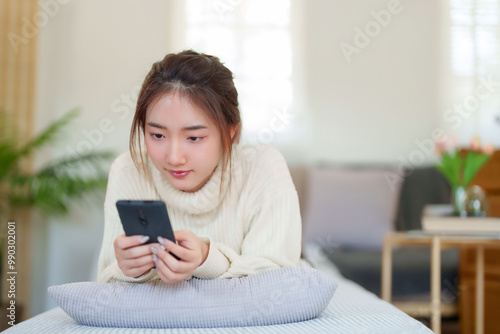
{"points": [[162, 241], [155, 258], [143, 239], [153, 249]]}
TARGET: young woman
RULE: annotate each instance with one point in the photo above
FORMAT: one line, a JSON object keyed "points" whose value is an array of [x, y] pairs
{"points": [[233, 207]]}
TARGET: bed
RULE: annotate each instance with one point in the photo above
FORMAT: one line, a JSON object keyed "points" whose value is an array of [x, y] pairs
{"points": [[351, 310]]}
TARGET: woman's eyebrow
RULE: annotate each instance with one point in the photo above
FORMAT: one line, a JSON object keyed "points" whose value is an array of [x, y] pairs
{"points": [[194, 127], [156, 125], [187, 128]]}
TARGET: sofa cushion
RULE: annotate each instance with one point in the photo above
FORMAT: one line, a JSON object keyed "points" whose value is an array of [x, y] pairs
{"points": [[350, 207], [421, 186]]}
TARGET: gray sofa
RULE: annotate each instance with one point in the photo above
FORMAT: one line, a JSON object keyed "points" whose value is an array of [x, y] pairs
{"points": [[347, 210]]}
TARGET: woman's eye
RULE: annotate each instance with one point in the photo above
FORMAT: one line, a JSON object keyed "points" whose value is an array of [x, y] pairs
{"points": [[195, 139], [156, 135]]}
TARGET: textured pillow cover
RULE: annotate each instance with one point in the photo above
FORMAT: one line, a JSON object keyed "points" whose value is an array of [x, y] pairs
{"points": [[273, 297]]}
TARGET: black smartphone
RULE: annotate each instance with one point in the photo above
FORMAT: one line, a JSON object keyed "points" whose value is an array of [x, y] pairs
{"points": [[145, 218]]}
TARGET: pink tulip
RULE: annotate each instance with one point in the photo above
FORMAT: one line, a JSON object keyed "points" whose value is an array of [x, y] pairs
{"points": [[475, 143], [440, 146], [448, 144], [488, 148], [452, 143]]}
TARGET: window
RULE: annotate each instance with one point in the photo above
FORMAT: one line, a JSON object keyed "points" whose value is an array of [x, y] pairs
{"points": [[475, 57], [252, 38]]}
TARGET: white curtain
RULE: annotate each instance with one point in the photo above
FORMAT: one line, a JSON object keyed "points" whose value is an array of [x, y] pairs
{"points": [[471, 46]]}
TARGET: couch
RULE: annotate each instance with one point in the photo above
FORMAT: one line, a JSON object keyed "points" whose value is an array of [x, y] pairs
{"points": [[347, 210]]}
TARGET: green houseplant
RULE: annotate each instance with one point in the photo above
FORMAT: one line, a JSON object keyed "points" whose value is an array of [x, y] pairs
{"points": [[460, 165], [51, 188]]}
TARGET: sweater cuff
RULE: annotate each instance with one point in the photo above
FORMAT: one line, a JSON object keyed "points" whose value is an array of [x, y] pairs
{"points": [[215, 265], [113, 273]]}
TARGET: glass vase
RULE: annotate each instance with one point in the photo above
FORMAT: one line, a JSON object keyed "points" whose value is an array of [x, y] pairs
{"points": [[460, 201], [476, 201]]}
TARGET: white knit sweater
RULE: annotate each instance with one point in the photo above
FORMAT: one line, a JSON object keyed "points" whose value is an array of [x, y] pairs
{"points": [[252, 226]]}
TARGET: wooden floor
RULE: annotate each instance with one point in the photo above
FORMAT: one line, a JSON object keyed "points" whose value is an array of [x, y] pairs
{"points": [[448, 325]]}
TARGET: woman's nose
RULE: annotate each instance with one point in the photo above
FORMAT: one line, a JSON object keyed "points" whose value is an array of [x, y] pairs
{"points": [[175, 155]]}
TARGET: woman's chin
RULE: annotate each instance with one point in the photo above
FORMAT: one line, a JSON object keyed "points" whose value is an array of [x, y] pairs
{"points": [[187, 183], [183, 185]]}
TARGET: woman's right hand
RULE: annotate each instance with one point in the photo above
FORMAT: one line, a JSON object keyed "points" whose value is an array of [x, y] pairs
{"points": [[134, 258]]}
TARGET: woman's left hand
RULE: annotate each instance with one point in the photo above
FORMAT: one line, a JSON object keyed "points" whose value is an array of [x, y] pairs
{"points": [[191, 251]]}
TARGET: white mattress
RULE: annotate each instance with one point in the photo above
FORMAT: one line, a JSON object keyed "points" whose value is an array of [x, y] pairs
{"points": [[351, 310]]}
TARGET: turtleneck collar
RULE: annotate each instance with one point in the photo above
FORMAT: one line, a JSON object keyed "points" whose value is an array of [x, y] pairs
{"points": [[204, 200]]}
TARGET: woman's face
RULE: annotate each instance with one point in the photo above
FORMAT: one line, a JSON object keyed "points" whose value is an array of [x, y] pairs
{"points": [[182, 142]]}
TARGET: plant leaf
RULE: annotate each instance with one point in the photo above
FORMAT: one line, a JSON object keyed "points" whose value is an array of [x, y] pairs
{"points": [[53, 187], [49, 134], [51, 194], [8, 143], [447, 174], [473, 163], [75, 163], [450, 166]]}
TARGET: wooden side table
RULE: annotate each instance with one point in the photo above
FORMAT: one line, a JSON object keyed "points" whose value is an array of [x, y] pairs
{"points": [[436, 242]]}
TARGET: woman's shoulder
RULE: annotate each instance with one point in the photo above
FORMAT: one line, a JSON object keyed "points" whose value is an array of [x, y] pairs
{"points": [[125, 181], [261, 159], [124, 165], [122, 162], [264, 169], [259, 153]]}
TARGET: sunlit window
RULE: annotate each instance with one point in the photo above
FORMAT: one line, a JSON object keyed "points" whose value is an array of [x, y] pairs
{"points": [[475, 36], [475, 59], [253, 39]]}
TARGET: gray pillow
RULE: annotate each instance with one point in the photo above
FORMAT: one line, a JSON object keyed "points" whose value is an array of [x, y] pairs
{"points": [[352, 208], [277, 296]]}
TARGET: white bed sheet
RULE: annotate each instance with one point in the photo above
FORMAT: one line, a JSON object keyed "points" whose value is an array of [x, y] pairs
{"points": [[351, 310]]}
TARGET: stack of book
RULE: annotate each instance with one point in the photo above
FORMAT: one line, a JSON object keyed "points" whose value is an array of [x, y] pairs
{"points": [[440, 219]]}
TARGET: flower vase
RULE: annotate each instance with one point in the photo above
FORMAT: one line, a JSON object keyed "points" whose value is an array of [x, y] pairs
{"points": [[460, 201]]}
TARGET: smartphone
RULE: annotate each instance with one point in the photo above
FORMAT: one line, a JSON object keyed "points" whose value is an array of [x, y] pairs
{"points": [[145, 218]]}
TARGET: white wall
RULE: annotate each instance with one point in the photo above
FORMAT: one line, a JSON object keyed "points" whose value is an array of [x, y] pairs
{"points": [[373, 108], [92, 54]]}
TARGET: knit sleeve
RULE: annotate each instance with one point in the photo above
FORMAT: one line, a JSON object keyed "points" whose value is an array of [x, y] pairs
{"points": [[273, 226], [135, 187]]}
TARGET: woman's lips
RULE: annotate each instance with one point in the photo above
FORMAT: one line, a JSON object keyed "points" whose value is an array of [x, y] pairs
{"points": [[179, 173]]}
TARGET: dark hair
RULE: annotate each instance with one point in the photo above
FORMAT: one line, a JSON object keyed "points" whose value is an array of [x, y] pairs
{"points": [[206, 82]]}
